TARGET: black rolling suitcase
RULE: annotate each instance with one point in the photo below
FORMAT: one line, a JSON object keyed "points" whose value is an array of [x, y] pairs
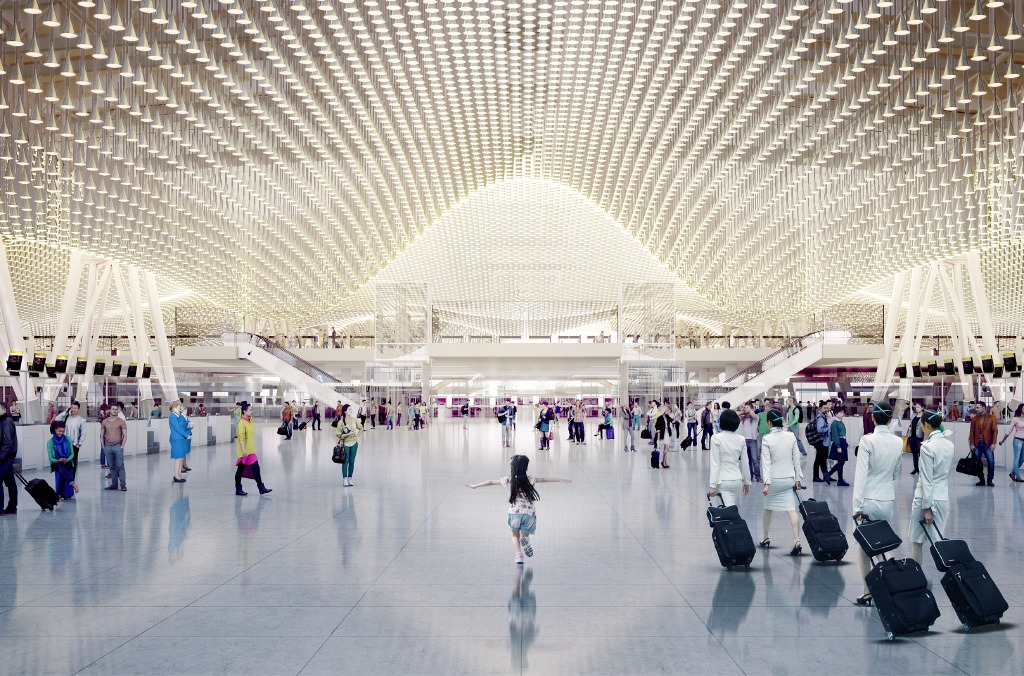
{"points": [[730, 534], [302, 425], [655, 459], [974, 595], [898, 587], [824, 535], [41, 492]]}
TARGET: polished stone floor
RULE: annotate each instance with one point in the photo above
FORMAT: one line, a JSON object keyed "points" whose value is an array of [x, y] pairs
{"points": [[409, 572]]}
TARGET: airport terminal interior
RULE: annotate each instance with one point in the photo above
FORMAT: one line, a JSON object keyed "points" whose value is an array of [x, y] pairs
{"points": [[432, 336]]}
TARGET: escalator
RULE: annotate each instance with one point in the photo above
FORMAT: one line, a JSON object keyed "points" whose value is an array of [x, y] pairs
{"points": [[775, 369], [289, 367]]}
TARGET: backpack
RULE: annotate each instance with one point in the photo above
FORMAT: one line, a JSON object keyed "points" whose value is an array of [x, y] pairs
{"points": [[814, 438]]}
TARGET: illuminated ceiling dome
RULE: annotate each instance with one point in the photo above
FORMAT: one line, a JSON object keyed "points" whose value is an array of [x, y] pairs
{"points": [[758, 151]]}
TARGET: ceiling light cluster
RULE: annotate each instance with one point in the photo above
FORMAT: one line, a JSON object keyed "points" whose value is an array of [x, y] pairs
{"points": [[276, 156]]}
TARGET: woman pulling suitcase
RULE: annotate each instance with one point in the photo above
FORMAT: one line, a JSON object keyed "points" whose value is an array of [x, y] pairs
{"points": [[879, 459], [729, 467], [931, 497], [780, 467]]}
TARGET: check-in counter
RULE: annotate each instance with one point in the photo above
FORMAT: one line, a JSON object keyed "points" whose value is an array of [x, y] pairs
{"points": [[205, 431]]}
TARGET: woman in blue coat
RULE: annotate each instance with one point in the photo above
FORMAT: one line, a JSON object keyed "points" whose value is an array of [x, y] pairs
{"points": [[181, 440]]}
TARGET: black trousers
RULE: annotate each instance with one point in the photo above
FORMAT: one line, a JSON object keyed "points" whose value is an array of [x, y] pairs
{"points": [[705, 434], [820, 460], [255, 473], [915, 449], [7, 477], [74, 457], [317, 424]]}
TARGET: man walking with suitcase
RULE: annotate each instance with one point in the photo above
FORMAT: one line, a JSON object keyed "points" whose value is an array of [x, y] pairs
{"points": [[8, 452]]}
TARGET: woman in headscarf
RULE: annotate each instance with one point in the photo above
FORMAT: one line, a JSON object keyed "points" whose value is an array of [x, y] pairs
{"points": [[58, 447]]}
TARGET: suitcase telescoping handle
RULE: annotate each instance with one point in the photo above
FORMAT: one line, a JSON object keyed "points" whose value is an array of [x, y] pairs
{"points": [[924, 527], [20, 478], [720, 499]]}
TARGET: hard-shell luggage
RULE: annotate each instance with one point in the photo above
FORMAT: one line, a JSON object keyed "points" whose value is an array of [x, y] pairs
{"points": [[900, 591], [41, 492], [824, 535], [655, 459], [971, 590], [609, 432], [875, 537], [731, 536]]}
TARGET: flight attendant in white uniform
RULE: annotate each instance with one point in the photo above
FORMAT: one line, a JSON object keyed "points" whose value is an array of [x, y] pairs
{"points": [[729, 460], [780, 467], [931, 497], [879, 459]]}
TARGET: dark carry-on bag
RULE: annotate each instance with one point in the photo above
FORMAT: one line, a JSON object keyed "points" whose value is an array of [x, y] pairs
{"points": [[898, 587], [609, 432], [655, 459], [875, 537], [40, 491], [971, 590], [730, 534], [824, 535], [900, 591], [970, 465]]}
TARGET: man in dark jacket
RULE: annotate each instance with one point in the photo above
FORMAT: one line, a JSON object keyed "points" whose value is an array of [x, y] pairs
{"points": [[8, 452]]}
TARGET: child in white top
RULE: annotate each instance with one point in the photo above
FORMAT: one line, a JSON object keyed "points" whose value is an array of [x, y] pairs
{"points": [[522, 514]]}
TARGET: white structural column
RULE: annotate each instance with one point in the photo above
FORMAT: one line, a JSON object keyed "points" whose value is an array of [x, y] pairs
{"points": [[988, 334], [165, 370], [93, 325], [13, 338], [887, 363], [63, 332], [142, 344]]}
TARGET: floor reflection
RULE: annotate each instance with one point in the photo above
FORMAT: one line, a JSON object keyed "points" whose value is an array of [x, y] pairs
{"points": [[180, 518], [733, 597], [522, 616]]}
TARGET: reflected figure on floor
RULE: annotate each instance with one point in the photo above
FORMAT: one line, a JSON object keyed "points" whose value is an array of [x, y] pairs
{"points": [[522, 615], [179, 522], [734, 594]]}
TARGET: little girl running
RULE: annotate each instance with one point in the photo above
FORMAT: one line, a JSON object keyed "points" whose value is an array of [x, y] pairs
{"points": [[522, 514]]}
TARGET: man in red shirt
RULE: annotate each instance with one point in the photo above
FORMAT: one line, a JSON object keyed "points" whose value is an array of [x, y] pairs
{"points": [[983, 437]]}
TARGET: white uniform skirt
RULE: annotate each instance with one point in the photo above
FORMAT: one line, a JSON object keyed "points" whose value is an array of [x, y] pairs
{"points": [[781, 496], [730, 491], [940, 512], [878, 510]]}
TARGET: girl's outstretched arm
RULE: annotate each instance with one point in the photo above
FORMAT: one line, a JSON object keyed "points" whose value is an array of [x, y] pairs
{"points": [[489, 482], [551, 480]]}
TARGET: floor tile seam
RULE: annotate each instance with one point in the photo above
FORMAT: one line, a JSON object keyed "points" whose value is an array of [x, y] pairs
{"points": [[109, 652], [233, 577], [918, 642], [629, 530]]}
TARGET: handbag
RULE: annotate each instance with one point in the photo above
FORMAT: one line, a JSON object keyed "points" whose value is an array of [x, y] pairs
{"points": [[340, 455], [334, 423], [282, 430], [970, 465], [645, 434]]}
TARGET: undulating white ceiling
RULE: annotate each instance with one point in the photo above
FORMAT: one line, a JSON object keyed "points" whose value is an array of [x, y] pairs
{"points": [[276, 157]]}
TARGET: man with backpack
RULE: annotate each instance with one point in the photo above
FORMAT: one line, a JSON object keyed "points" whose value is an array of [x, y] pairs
{"points": [[818, 436]]}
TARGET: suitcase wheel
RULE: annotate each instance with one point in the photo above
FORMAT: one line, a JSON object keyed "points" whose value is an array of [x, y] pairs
{"points": [[889, 636], [967, 627]]}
